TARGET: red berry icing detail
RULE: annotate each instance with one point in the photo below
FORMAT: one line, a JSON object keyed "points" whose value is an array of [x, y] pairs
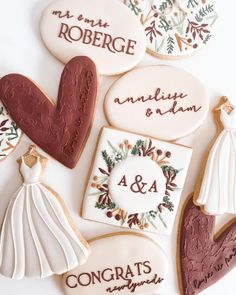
{"points": [[159, 152], [109, 214], [168, 154], [118, 217]]}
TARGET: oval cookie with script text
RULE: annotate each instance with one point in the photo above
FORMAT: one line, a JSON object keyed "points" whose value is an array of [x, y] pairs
{"points": [[159, 101], [119, 264], [107, 32]]}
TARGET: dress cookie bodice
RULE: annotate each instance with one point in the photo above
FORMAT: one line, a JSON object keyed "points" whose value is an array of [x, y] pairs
{"points": [[228, 120], [31, 174]]}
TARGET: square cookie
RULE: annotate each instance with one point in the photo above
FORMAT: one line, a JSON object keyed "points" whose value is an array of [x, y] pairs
{"points": [[136, 182]]}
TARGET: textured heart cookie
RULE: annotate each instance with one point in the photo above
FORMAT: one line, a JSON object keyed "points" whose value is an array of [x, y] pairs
{"points": [[60, 130], [204, 259]]}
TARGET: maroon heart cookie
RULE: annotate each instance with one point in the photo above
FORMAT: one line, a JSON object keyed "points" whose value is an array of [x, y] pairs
{"points": [[203, 258], [60, 130]]}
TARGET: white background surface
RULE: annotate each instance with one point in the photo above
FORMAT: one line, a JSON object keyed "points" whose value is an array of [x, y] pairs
{"points": [[21, 50]]}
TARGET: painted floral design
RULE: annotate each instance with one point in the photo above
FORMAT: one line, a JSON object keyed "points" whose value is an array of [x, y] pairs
{"points": [[100, 183], [9, 134], [175, 29]]}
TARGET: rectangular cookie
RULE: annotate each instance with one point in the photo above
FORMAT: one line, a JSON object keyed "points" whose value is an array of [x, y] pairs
{"points": [[136, 182]]}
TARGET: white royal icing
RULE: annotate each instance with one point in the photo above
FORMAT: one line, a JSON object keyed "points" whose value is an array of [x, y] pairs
{"points": [[121, 153], [218, 189], [10, 134], [36, 238], [120, 264], [137, 185], [108, 33], [152, 101], [175, 28]]}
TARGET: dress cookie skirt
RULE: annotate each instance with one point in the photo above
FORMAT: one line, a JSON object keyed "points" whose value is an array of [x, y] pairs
{"points": [[37, 239], [218, 189]]}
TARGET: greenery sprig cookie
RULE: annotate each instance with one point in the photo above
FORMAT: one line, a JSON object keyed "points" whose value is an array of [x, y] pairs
{"points": [[10, 134], [174, 28]]}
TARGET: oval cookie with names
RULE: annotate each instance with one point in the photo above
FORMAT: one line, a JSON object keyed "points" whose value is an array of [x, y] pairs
{"points": [[119, 264], [159, 101], [107, 32]]}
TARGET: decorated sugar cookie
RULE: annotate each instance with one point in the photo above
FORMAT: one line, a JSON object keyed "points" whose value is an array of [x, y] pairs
{"points": [[136, 182], [108, 33], [38, 238], [60, 130], [150, 100], [204, 257], [175, 28], [216, 193], [120, 264], [10, 134]]}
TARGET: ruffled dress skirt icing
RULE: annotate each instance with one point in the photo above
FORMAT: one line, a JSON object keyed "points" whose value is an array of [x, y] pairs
{"points": [[36, 239], [218, 190]]}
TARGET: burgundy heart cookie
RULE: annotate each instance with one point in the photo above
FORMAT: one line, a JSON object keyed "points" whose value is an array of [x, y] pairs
{"points": [[204, 259], [60, 130]]}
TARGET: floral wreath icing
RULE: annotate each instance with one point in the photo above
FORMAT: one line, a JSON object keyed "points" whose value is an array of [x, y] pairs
{"points": [[139, 267], [175, 28], [10, 134], [118, 147]]}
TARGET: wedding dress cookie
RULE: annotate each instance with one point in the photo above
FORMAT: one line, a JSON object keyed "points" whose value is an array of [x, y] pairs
{"points": [[204, 256], [136, 182], [120, 264], [175, 28], [218, 186], [61, 130], [10, 134], [38, 238], [106, 32], [151, 101]]}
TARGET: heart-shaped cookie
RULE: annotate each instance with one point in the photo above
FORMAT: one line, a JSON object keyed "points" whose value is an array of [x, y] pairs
{"points": [[60, 130], [204, 259]]}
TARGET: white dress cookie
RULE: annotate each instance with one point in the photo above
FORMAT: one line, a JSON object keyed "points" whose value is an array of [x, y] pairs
{"points": [[37, 238], [136, 182], [120, 264], [153, 101], [108, 33], [10, 134], [218, 189], [175, 28]]}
